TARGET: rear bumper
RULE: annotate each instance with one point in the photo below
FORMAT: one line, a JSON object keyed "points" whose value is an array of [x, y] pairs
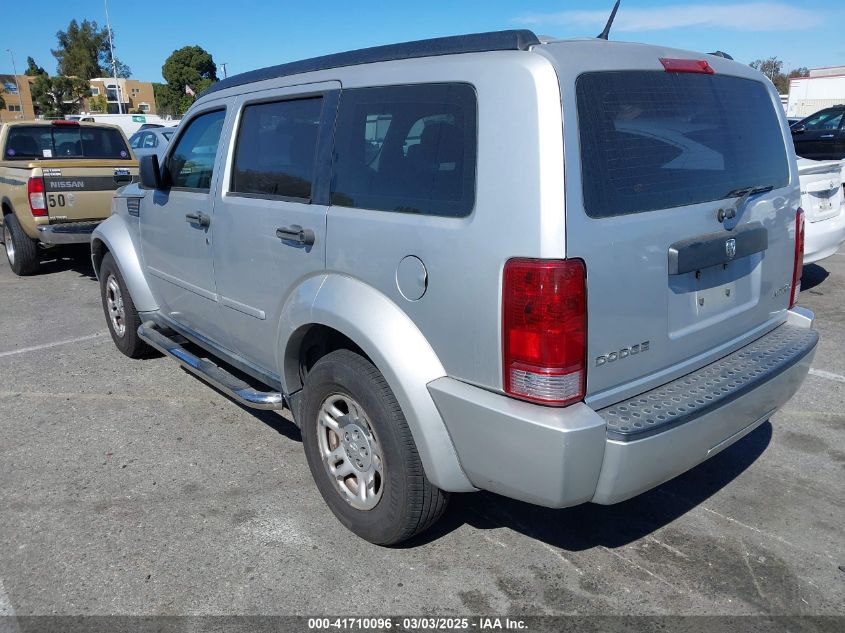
{"points": [[822, 239], [67, 233], [559, 457]]}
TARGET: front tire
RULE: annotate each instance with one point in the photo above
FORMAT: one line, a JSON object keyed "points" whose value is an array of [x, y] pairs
{"points": [[21, 250], [361, 452], [121, 315]]}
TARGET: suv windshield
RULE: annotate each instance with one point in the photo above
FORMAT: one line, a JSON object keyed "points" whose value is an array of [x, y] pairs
{"points": [[657, 140], [64, 141]]}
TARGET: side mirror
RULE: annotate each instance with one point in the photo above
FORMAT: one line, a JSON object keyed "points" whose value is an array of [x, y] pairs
{"points": [[798, 129], [150, 172]]}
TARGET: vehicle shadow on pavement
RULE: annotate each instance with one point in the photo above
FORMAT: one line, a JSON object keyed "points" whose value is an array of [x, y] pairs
{"points": [[75, 259], [812, 276], [589, 525]]}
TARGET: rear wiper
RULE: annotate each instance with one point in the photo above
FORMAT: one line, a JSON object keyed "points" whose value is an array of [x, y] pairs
{"points": [[743, 194], [748, 191]]}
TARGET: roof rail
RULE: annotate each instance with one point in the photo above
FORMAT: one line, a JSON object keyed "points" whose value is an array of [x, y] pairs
{"points": [[515, 40]]}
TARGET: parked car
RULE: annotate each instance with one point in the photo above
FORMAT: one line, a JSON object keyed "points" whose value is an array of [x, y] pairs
{"points": [[57, 179], [151, 141], [821, 136], [823, 202], [385, 242]]}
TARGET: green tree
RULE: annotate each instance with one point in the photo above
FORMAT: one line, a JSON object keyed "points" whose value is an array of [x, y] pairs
{"points": [[773, 69], [2, 103], [98, 103], [190, 66], [58, 96], [33, 69], [83, 50]]}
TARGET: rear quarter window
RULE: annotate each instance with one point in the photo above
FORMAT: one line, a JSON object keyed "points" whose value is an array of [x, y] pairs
{"points": [[656, 140], [408, 149]]}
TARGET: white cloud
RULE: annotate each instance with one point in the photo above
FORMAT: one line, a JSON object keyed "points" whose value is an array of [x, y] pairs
{"points": [[741, 16]]}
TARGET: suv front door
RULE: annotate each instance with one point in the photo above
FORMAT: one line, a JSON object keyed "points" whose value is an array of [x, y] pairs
{"points": [[177, 227], [271, 215]]}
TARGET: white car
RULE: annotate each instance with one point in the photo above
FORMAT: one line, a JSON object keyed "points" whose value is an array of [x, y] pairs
{"points": [[823, 201]]}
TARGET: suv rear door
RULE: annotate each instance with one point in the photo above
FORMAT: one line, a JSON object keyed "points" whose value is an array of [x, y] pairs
{"points": [[652, 157], [271, 213]]}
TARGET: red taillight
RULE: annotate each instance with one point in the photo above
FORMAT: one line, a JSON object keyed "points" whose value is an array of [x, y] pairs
{"points": [[798, 266], [687, 66], [37, 200], [544, 328], [64, 122]]}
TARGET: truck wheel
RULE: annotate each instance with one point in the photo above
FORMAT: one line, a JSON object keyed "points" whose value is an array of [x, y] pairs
{"points": [[21, 250], [121, 316], [361, 452]]}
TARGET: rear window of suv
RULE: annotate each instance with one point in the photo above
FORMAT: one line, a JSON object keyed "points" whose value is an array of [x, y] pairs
{"points": [[656, 140], [64, 141]]}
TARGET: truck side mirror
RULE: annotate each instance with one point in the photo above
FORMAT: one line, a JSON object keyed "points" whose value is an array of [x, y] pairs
{"points": [[798, 129], [150, 172]]}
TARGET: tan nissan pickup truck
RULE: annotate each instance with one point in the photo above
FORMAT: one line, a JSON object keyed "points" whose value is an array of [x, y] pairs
{"points": [[57, 179]]}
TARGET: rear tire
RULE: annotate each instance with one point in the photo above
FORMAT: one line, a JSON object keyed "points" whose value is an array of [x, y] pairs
{"points": [[21, 250], [352, 424], [121, 315]]}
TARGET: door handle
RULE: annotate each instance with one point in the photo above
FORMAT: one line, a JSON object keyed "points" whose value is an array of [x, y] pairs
{"points": [[295, 233], [826, 136], [199, 218]]}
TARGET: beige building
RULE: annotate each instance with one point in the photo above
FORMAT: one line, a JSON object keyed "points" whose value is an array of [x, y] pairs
{"points": [[134, 95], [18, 105]]}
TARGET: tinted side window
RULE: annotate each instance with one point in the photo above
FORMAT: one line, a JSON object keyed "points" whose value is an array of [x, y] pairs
{"points": [[192, 162], [824, 120], [407, 148], [277, 143], [657, 140]]}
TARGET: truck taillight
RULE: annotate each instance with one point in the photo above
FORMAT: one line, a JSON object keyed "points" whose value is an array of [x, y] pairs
{"points": [[798, 265], [544, 329], [37, 199]]}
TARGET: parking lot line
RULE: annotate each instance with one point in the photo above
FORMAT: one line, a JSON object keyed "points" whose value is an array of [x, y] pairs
{"points": [[6, 608], [35, 348], [826, 374]]}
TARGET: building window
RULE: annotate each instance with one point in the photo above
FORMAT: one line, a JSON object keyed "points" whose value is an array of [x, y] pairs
{"points": [[144, 107], [111, 93], [95, 91], [13, 108], [11, 87]]}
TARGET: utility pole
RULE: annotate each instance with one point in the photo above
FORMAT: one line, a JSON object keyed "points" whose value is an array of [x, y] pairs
{"points": [[113, 62], [17, 85], [223, 66]]}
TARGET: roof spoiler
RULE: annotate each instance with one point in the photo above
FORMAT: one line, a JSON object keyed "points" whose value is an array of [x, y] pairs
{"points": [[721, 54]]}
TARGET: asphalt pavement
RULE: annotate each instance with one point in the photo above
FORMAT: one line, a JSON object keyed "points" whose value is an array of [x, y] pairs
{"points": [[130, 487]]}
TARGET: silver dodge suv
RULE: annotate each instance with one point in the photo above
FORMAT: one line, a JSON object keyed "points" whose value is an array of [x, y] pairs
{"points": [[561, 271]]}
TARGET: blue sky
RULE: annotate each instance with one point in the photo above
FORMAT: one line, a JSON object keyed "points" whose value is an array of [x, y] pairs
{"points": [[248, 34]]}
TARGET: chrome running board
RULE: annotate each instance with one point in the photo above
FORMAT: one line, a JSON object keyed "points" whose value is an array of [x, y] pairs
{"points": [[213, 374]]}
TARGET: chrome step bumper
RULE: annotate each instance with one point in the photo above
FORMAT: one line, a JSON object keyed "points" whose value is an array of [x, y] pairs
{"points": [[67, 233], [213, 374]]}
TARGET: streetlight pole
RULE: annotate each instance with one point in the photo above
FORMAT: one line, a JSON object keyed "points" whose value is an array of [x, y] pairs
{"points": [[17, 85], [223, 66], [113, 62]]}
